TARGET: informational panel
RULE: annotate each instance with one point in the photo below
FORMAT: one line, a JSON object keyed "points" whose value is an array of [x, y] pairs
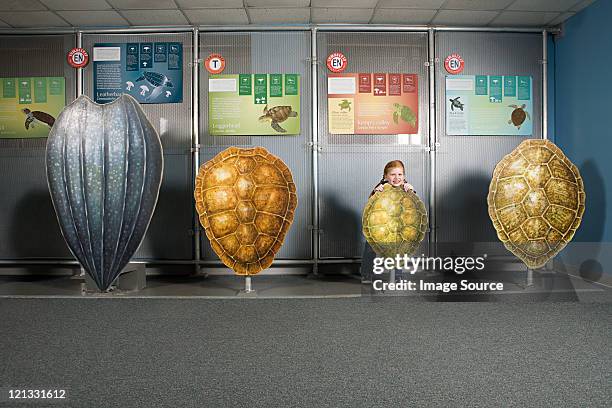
{"points": [[251, 52], [29, 106], [372, 103], [489, 105], [350, 165], [170, 233], [465, 163], [151, 72], [28, 224], [254, 104]]}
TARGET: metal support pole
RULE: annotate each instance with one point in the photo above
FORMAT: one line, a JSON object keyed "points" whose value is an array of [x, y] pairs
{"points": [[544, 85], [433, 145], [195, 131], [79, 84], [315, 151]]}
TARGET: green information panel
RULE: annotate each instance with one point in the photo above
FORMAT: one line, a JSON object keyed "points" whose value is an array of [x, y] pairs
{"points": [[254, 104], [29, 106]]}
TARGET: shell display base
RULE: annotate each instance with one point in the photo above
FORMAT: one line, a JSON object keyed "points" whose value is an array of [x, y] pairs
{"points": [[132, 278], [248, 290]]}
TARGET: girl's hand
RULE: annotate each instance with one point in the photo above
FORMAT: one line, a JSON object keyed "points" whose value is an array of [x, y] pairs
{"points": [[408, 186], [379, 188]]}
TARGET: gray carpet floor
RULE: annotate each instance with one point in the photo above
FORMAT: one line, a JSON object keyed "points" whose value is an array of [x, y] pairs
{"points": [[353, 352]]}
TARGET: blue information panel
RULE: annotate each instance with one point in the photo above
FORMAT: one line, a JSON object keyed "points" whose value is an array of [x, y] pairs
{"points": [[151, 72]]}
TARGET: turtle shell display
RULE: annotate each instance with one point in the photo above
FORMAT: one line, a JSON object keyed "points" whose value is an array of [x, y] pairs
{"points": [[394, 222], [536, 201], [246, 200]]}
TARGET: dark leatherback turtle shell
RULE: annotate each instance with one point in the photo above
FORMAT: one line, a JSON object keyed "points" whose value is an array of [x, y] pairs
{"points": [[104, 168]]}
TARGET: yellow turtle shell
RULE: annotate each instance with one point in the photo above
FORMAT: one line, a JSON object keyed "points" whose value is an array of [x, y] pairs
{"points": [[536, 201], [394, 222], [246, 200]]}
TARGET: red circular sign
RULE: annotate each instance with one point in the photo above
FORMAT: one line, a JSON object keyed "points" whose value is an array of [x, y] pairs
{"points": [[454, 64], [78, 58], [336, 62], [215, 63]]}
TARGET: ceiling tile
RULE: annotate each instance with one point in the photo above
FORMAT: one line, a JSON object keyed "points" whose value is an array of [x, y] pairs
{"points": [[476, 4], [30, 19], [195, 4], [143, 4], [581, 5], [278, 3], [543, 5], [523, 18], [217, 16], [464, 17], [20, 5], [420, 4], [94, 18], [77, 5], [155, 17], [341, 16], [561, 18], [403, 16], [347, 4], [282, 15]]}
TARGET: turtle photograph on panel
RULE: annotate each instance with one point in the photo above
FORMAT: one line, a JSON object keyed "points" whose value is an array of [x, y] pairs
{"points": [[536, 201], [157, 82], [276, 115], [246, 200], [37, 118], [518, 115], [455, 103]]}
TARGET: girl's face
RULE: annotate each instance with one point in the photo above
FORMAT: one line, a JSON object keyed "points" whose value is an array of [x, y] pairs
{"points": [[395, 176]]}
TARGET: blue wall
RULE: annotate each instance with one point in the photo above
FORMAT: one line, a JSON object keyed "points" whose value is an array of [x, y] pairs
{"points": [[582, 119]]}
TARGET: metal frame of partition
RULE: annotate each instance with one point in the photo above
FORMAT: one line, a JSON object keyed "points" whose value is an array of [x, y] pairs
{"points": [[432, 140]]}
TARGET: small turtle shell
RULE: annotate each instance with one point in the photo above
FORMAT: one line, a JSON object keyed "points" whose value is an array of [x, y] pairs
{"points": [[279, 113], [155, 78], [44, 117], [394, 222], [518, 116]]}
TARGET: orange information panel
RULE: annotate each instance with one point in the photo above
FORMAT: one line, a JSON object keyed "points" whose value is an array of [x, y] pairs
{"points": [[373, 103]]}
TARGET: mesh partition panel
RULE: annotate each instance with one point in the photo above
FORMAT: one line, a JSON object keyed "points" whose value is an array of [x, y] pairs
{"points": [[465, 163], [28, 225], [350, 165], [170, 233], [267, 53]]}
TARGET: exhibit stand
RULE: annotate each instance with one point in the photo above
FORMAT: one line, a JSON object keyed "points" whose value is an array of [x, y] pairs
{"points": [[132, 278]]}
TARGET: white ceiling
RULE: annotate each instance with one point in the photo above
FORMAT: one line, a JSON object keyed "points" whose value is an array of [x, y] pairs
{"points": [[121, 13]]}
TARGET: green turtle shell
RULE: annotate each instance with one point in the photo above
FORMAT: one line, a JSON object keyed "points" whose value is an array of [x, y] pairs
{"points": [[394, 222], [536, 201]]}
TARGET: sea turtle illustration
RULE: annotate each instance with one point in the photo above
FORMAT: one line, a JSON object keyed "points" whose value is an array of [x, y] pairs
{"points": [[157, 81], [34, 118], [456, 103], [276, 115], [345, 104], [536, 201], [518, 115]]}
